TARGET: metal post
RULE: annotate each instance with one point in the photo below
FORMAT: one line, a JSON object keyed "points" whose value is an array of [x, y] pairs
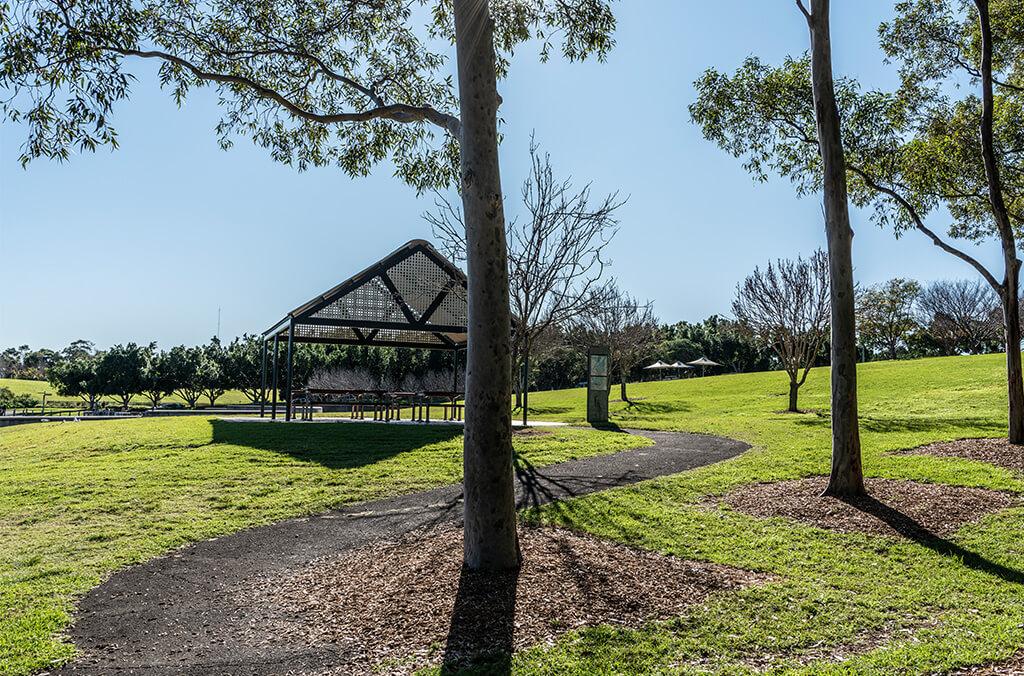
{"points": [[263, 377], [288, 382], [273, 392], [526, 384]]}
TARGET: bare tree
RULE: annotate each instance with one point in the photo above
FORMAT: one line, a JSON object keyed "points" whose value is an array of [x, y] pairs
{"points": [[962, 315], [786, 307], [885, 314], [556, 257], [626, 326]]}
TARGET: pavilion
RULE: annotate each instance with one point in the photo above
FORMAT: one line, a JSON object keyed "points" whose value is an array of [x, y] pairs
{"points": [[413, 297]]}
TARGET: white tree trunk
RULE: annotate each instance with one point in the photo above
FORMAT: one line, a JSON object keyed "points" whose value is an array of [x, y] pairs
{"points": [[490, 538]]}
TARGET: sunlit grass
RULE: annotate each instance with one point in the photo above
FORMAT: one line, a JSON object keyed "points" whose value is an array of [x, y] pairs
{"points": [[79, 500], [932, 610]]}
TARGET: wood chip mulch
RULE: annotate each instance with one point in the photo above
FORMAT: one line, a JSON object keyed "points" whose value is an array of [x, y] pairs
{"points": [[998, 452], [1014, 666], [397, 607], [902, 508]]}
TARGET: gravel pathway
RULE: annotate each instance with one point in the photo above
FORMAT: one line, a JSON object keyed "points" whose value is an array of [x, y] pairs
{"points": [[179, 614]]}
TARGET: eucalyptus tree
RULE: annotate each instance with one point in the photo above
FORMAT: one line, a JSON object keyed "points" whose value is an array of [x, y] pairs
{"points": [[920, 158], [786, 307], [349, 83], [751, 115]]}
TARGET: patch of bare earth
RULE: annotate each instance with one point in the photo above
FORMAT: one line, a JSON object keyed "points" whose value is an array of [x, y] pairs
{"points": [[903, 508], [398, 607], [998, 452]]}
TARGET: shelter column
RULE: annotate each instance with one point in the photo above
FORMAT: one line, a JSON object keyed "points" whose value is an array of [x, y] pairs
{"points": [[273, 393], [288, 380], [263, 377]]}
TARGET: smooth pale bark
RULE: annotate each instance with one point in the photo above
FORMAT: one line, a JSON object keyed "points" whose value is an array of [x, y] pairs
{"points": [[847, 477], [1010, 292], [490, 540]]}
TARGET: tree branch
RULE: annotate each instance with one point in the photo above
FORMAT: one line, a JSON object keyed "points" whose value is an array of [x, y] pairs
{"points": [[397, 112]]}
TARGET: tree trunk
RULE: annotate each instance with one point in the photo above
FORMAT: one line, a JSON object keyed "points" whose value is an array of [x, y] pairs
{"points": [[622, 389], [847, 477], [490, 540], [1011, 282], [1014, 378], [794, 388]]}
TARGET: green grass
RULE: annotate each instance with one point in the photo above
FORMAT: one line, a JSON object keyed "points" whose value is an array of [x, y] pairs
{"points": [[80, 500], [943, 604], [37, 387]]}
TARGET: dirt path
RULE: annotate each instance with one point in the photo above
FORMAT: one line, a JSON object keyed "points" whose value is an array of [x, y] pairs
{"points": [[178, 614]]}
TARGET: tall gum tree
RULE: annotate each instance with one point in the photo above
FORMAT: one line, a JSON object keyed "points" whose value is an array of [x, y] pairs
{"points": [[915, 155], [726, 115], [346, 83]]}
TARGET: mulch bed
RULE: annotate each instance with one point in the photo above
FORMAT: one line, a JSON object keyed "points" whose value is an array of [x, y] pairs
{"points": [[997, 452], [398, 607], [903, 508], [1014, 666]]}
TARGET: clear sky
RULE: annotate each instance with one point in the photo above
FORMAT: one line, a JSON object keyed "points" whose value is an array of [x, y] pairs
{"points": [[146, 243]]}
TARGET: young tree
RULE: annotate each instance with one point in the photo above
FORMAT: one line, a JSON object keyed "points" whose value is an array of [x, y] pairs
{"points": [[787, 308], [626, 326], [961, 315], [348, 84], [243, 368], [885, 315], [157, 376], [7, 399], [555, 255], [78, 378], [212, 371], [120, 371], [755, 118], [184, 367]]}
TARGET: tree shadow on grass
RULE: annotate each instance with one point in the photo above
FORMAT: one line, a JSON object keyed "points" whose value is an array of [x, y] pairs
{"points": [[482, 629], [656, 407], [333, 445], [910, 424], [912, 529]]}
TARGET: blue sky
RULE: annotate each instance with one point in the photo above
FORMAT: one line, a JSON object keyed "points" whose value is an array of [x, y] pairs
{"points": [[146, 243]]}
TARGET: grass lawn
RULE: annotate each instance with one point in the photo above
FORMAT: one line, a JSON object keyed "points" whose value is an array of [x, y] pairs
{"points": [[79, 500], [882, 605], [37, 387]]}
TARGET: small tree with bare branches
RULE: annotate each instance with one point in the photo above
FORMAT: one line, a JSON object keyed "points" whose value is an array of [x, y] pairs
{"points": [[787, 307], [961, 315], [626, 326], [555, 255]]}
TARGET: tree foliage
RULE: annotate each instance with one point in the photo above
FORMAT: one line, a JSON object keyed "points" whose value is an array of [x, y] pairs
{"points": [[885, 315]]}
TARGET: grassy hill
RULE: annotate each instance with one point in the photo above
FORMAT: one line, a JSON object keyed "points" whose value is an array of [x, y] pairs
{"points": [[79, 500]]}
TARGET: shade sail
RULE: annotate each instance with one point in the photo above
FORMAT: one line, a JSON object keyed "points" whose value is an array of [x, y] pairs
{"points": [[680, 365], [703, 361], [658, 365], [413, 297]]}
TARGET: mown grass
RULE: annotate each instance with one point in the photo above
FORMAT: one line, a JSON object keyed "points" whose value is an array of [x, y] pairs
{"points": [[934, 604], [80, 500]]}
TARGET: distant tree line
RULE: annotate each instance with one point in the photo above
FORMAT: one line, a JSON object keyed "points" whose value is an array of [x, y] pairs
{"points": [[898, 319]]}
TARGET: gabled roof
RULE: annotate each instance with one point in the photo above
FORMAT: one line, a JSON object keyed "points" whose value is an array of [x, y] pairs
{"points": [[413, 297]]}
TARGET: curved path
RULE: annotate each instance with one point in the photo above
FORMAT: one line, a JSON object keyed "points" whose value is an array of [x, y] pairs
{"points": [[178, 615]]}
